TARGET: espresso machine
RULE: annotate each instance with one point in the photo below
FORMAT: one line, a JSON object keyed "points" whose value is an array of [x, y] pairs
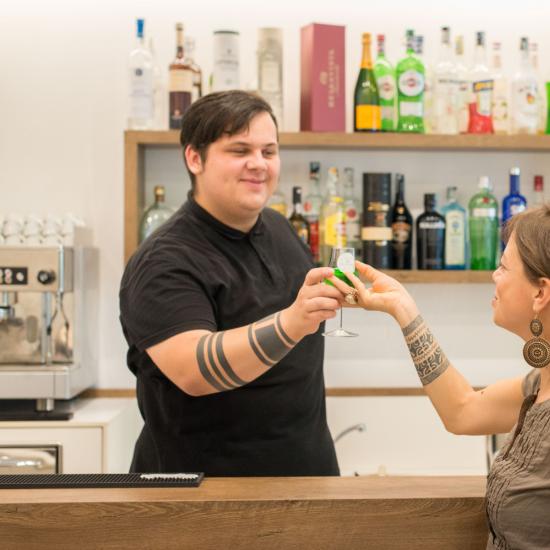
{"points": [[48, 328]]}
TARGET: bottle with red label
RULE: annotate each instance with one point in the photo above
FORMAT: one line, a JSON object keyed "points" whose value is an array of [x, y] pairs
{"points": [[353, 214], [480, 107], [312, 208]]}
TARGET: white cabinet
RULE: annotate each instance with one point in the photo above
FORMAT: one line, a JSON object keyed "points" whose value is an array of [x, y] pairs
{"points": [[99, 438]]}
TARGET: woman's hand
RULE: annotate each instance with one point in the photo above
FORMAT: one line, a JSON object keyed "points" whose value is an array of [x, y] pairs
{"points": [[385, 294]]}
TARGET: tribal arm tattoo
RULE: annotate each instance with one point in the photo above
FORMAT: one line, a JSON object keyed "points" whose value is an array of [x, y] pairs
{"points": [[427, 356], [269, 343]]}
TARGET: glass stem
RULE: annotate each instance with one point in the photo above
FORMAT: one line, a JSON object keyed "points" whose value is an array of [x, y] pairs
{"points": [[341, 316]]}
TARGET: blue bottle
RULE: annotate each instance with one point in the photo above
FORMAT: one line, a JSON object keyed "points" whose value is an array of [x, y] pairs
{"points": [[513, 203], [455, 232]]}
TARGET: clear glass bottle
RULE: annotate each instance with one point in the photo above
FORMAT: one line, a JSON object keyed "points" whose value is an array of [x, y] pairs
{"points": [[410, 77], [524, 92], [462, 75], [140, 108], [159, 92], [180, 83], [455, 231], [155, 215], [333, 217], [384, 73], [480, 119], [225, 74], [445, 89], [366, 108], [270, 70], [277, 202], [352, 208], [297, 218], [430, 236], [189, 59], [312, 209], [483, 227], [500, 94], [402, 228]]}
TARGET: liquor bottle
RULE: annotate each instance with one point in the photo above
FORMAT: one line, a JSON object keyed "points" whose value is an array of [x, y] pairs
{"points": [[159, 92], [514, 202], [155, 215], [455, 231], [180, 83], [225, 75], [353, 214], [524, 112], [483, 225], [312, 209], [445, 89], [270, 69], [333, 217], [538, 191], [430, 236], [462, 76], [385, 80], [297, 219], [500, 94], [277, 202], [140, 112], [541, 99], [367, 116], [480, 106], [409, 75], [189, 51], [418, 46], [402, 228], [377, 233]]}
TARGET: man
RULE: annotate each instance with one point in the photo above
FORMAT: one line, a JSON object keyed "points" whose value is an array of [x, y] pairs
{"points": [[223, 314]]}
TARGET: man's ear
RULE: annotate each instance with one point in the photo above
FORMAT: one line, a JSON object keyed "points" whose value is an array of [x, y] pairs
{"points": [[193, 160], [542, 299]]}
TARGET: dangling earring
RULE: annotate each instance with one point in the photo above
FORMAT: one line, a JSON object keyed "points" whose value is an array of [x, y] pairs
{"points": [[537, 350]]}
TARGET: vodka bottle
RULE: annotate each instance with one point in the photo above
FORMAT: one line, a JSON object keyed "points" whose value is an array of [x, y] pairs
{"points": [[514, 202], [524, 112], [463, 86], [480, 119], [500, 94], [140, 115], [541, 98], [445, 89], [159, 92], [270, 69]]}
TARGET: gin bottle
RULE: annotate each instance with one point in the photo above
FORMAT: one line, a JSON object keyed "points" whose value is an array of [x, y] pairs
{"points": [[312, 208], [140, 112], [430, 236], [409, 75], [455, 231], [384, 74], [353, 214], [155, 215]]}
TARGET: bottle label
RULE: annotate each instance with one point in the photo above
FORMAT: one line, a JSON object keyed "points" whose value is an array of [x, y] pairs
{"points": [[455, 253], [411, 83], [524, 96], [483, 94], [401, 232], [353, 226], [181, 81], [411, 108], [387, 113], [314, 239], [141, 93], [436, 224], [516, 209], [484, 213], [368, 117], [335, 230], [302, 234], [386, 87], [269, 77], [376, 234]]}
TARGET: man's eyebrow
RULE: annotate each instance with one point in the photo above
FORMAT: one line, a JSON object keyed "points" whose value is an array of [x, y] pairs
{"points": [[248, 144]]}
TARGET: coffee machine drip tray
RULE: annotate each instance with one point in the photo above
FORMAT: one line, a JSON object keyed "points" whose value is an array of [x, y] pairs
{"points": [[26, 409]]}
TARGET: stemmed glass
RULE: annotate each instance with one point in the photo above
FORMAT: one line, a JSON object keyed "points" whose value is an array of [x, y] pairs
{"points": [[342, 259]]}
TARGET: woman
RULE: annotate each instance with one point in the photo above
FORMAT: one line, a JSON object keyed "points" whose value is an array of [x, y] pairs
{"points": [[518, 489]]}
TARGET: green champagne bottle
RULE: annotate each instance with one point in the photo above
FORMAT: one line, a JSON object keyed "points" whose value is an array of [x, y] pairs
{"points": [[385, 80], [410, 76], [366, 107]]}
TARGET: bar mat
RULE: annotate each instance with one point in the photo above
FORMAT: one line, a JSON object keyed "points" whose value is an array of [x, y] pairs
{"points": [[71, 481]]}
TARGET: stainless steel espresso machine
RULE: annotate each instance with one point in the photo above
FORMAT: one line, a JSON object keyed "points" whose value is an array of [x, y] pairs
{"points": [[48, 328]]}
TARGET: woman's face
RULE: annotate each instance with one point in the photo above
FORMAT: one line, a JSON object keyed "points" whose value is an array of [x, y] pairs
{"points": [[514, 293]]}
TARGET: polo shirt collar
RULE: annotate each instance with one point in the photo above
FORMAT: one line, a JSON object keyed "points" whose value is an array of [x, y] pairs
{"points": [[206, 218]]}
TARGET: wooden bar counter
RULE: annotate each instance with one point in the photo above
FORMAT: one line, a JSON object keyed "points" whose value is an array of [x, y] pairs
{"points": [[380, 513]]}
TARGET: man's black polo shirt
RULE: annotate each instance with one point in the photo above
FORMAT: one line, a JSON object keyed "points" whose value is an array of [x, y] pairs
{"points": [[197, 273]]}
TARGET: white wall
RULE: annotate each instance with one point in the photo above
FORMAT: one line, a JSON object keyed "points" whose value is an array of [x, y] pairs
{"points": [[62, 113]]}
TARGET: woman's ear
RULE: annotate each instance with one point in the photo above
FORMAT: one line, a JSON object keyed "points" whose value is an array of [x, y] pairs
{"points": [[542, 299], [193, 160]]}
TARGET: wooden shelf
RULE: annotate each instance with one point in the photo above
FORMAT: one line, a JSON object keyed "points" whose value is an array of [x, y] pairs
{"points": [[441, 276], [333, 140]]}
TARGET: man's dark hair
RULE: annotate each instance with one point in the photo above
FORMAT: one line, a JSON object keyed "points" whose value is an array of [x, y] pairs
{"points": [[217, 114]]}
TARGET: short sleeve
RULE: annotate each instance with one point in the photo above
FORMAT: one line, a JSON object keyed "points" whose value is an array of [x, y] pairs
{"points": [[161, 298], [531, 383]]}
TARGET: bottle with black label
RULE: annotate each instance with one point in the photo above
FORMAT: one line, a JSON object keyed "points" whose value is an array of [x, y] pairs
{"points": [[430, 240], [376, 233], [297, 219], [402, 228]]}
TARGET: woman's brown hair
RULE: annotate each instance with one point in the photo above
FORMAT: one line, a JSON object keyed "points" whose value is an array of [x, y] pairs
{"points": [[531, 231]]}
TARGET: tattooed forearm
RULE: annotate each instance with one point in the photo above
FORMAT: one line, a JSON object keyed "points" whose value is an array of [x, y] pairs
{"points": [[268, 341], [428, 358]]}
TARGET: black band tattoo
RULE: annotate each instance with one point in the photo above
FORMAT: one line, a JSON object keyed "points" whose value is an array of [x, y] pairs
{"points": [[428, 357], [269, 342]]}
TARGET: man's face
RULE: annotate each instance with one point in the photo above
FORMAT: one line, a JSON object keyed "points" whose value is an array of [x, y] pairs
{"points": [[239, 174]]}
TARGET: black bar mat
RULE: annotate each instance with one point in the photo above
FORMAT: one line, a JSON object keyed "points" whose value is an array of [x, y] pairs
{"points": [[70, 481]]}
